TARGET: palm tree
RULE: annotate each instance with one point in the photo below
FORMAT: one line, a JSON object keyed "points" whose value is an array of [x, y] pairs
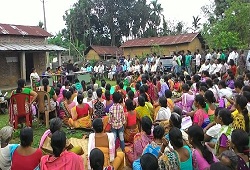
{"points": [[155, 15], [195, 24]]}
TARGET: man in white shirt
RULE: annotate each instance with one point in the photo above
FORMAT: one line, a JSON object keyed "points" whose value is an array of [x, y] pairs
{"points": [[96, 69], [233, 55], [34, 77], [218, 67], [101, 70], [145, 67], [212, 67], [197, 60], [205, 66], [208, 55], [154, 67], [157, 60]]}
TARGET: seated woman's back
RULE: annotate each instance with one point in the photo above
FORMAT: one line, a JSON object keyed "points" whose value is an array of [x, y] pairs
{"points": [[25, 157], [61, 158]]}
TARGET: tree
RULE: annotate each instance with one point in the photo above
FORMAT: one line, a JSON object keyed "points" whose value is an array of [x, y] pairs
{"points": [[232, 30], [196, 23]]}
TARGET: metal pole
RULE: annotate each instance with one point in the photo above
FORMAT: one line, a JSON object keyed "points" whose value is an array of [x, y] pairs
{"points": [[44, 15], [45, 28]]}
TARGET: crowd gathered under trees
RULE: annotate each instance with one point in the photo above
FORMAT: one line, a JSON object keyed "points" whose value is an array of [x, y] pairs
{"points": [[195, 116], [178, 120]]}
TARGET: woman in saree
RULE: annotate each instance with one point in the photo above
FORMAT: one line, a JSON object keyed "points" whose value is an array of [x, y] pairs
{"points": [[66, 106], [29, 102], [106, 143], [186, 101], [61, 158], [6, 149], [131, 128], [141, 139], [240, 145], [143, 109], [45, 142], [80, 114], [46, 88], [109, 102], [180, 157], [201, 155], [153, 148]]}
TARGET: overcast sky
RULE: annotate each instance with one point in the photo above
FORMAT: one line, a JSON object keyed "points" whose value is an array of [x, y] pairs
{"points": [[30, 12]]}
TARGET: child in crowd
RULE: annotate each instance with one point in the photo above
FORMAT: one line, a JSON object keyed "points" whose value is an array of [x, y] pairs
{"points": [[117, 119]]}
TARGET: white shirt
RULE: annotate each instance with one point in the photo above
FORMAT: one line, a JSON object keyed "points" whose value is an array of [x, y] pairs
{"points": [[163, 114], [153, 68], [212, 68], [198, 59], [174, 60], [204, 67], [225, 92], [101, 69], [90, 103], [218, 68], [34, 76], [157, 61], [214, 131], [208, 56], [232, 56], [96, 69], [137, 68], [145, 67]]}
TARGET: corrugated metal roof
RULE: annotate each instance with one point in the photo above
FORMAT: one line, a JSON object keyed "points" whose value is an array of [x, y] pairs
{"points": [[105, 50], [165, 40], [29, 47], [22, 30]]}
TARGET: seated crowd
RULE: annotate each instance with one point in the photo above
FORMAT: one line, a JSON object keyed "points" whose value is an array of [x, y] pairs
{"points": [[160, 121]]}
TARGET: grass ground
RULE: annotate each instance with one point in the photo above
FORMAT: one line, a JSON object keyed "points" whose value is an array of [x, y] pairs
{"points": [[40, 129]]}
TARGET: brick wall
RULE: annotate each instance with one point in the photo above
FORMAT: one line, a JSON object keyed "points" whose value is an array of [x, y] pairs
{"points": [[9, 72], [22, 39], [39, 59]]}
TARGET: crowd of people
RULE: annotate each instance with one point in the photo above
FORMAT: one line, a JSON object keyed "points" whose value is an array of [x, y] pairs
{"points": [[151, 118]]}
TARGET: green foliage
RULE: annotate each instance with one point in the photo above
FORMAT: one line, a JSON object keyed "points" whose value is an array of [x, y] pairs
{"points": [[156, 49], [105, 22], [232, 30]]}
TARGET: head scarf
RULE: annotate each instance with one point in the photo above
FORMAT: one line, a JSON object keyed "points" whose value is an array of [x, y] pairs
{"points": [[6, 133]]}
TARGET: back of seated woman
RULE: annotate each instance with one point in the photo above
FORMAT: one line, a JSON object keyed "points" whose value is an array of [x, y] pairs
{"points": [[81, 114], [96, 158], [106, 143], [45, 142], [21, 89], [46, 88], [61, 158], [26, 157]]}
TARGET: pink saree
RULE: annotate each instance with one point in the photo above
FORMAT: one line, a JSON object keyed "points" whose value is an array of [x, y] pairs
{"points": [[186, 102]]}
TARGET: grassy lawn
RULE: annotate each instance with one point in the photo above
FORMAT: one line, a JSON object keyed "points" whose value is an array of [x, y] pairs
{"points": [[40, 129]]}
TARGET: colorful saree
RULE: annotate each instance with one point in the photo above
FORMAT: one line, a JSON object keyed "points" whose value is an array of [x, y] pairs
{"points": [[186, 102], [83, 122], [135, 150]]}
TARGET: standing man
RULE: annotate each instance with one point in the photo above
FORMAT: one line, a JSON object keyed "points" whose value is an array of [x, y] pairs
{"points": [[70, 67], [241, 63], [197, 60], [188, 60], [208, 55], [96, 68]]}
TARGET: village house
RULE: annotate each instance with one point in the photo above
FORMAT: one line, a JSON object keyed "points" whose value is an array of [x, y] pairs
{"points": [[21, 49], [97, 53], [164, 45]]}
